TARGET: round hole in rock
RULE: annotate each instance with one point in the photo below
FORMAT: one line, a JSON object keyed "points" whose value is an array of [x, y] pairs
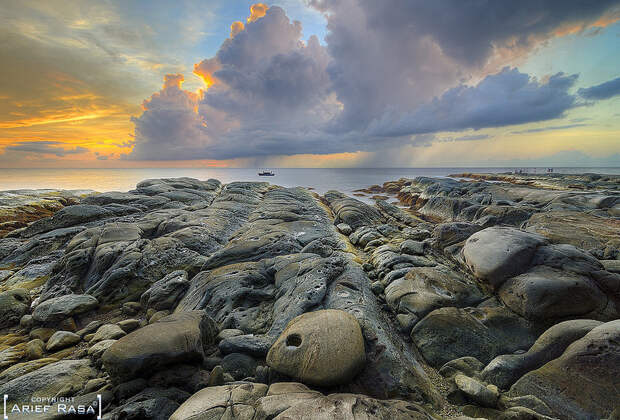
{"points": [[293, 340]]}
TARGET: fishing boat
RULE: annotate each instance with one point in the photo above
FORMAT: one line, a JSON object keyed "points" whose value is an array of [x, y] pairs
{"points": [[266, 173]]}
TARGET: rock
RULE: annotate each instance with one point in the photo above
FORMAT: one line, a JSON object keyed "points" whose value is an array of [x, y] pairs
{"points": [[216, 377], [61, 340], [21, 369], [107, 332], [181, 337], [498, 253], [476, 391], [131, 308], [424, 289], [228, 401], [167, 292], [344, 229], [228, 333], [306, 404], [485, 332], [95, 385], [26, 322], [254, 345], [581, 382], [504, 370], [96, 350], [158, 315], [35, 349], [446, 234], [306, 349], [547, 293], [186, 377], [469, 366], [68, 376], [239, 365], [412, 247], [42, 334], [66, 217], [129, 325], [351, 211], [59, 308], [13, 305], [577, 228]]}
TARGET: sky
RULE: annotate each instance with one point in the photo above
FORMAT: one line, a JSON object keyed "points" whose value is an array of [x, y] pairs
{"points": [[309, 83]]}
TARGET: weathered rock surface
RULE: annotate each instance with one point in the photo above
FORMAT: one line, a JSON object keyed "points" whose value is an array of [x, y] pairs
{"points": [[465, 273], [583, 381], [310, 348]]}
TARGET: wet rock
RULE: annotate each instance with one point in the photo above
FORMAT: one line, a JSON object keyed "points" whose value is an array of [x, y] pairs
{"points": [[61, 340], [57, 309], [579, 383], [13, 305], [306, 349], [498, 253], [351, 211], [167, 292], [181, 337]]}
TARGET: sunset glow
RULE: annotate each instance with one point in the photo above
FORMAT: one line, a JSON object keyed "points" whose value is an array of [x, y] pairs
{"points": [[304, 85]]}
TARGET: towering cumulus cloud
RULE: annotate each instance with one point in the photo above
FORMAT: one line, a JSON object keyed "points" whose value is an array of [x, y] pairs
{"points": [[390, 70]]}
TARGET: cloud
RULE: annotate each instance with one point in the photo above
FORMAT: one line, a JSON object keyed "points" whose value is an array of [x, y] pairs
{"points": [[390, 73], [46, 147], [550, 128], [605, 90], [507, 98]]}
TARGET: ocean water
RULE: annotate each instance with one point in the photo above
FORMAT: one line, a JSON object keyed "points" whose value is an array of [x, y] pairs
{"points": [[321, 180]]}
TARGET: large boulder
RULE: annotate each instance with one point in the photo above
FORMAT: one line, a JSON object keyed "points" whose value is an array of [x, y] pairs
{"points": [[177, 338], [13, 305], [498, 253], [485, 332], [583, 382], [311, 348], [59, 308], [504, 370], [548, 293]]}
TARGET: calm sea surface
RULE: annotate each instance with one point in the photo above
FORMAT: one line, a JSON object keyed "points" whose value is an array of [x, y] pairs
{"points": [[322, 180]]}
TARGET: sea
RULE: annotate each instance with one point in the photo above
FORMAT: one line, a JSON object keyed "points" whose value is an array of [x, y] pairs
{"points": [[346, 180]]}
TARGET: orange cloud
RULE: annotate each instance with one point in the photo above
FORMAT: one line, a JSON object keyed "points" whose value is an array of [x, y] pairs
{"points": [[257, 11], [236, 27], [173, 80], [205, 70], [602, 22]]}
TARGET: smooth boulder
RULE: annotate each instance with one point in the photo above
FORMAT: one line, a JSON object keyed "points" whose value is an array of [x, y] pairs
{"points": [[311, 350], [177, 338], [498, 253]]}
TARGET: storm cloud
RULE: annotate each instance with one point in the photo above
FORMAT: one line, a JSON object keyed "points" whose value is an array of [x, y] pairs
{"points": [[389, 71], [603, 91]]}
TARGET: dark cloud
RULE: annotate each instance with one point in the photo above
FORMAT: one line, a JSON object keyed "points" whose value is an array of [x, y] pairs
{"points": [[605, 90], [46, 147], [391, 73], [507, 98]]}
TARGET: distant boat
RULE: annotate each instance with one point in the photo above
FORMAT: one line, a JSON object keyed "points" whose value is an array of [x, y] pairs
{"points": [[266, 173]]}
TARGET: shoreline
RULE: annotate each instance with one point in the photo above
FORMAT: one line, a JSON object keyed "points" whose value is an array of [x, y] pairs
{"points": [[481, 295]]}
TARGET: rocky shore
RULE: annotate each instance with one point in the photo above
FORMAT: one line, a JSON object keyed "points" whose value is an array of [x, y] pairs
{"points": [[490, 296]]}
